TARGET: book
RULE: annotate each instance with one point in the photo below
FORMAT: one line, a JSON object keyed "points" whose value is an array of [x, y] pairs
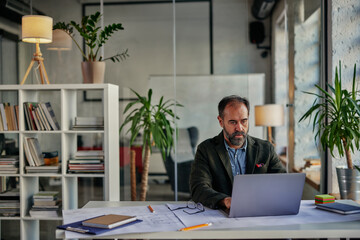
{"points": [[8, 116], [35, 151], [3, 116], [49, 195], [50, 115], [341, 208], [109, 221], [27, 152], [89, 121], [78, 227]]}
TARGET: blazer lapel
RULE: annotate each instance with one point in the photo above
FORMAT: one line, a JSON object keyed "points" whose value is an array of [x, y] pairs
{"points": [[221, 150], [251, 155]]}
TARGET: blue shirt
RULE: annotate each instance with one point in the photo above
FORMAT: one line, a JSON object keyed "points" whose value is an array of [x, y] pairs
{"points": [[237, 158]]}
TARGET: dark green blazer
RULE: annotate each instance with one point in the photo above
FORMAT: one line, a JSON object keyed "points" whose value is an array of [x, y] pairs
{"points": [[211, 177]]}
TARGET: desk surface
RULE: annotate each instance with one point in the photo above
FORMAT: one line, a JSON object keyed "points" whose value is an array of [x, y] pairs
{"points": [[317, 230]]}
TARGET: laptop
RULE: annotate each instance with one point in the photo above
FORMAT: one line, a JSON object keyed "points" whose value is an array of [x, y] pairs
{"points": [[266, 194]]}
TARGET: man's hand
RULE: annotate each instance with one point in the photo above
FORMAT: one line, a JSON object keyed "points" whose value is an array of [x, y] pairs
{"points": [[226, 202]]}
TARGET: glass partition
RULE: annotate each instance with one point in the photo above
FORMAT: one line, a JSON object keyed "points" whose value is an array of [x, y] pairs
{"points": [[197, 52]]}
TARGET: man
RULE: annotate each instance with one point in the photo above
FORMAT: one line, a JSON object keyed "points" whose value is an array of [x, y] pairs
{"points": [[232, 152]]}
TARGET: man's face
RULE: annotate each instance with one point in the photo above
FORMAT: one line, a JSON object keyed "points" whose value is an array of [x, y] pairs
{"points": [[235, 124]]}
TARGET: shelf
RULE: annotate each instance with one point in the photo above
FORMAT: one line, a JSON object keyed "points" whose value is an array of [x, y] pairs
{"points": [[43, 219], [85, 175], [66, 101]]}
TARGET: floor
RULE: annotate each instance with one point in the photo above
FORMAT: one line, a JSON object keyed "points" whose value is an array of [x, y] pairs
{"points": [[159, 190]]}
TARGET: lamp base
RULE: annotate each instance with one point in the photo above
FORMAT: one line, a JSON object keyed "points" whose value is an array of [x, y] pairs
{"points": [[40, 60]]}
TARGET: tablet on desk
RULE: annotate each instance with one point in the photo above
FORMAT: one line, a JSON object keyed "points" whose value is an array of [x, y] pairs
{"points": [[266, 194]]}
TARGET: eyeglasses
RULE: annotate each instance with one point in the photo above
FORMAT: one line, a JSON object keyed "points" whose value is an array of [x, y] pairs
{"points": [[193, 208]]}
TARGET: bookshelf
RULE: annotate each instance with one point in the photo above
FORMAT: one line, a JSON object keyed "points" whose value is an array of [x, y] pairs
{"points": [[67, 103]]}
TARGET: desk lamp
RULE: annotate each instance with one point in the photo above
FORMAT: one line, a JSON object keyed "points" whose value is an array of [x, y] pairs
{"points": [[269, 115], [37, 29]]}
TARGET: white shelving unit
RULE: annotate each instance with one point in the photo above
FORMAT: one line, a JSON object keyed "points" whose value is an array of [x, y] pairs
{"points": [[64, 99]]}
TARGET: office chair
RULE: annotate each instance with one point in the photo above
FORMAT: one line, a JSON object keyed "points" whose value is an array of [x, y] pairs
{"points": [[186, 143]]}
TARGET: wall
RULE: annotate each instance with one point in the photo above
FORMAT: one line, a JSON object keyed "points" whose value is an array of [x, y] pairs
{"points": [[345, 48], [307, 74], [233, 53]]}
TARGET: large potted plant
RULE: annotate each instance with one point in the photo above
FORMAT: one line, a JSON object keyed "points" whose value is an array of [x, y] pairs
{"points": [[156, 122], [337, 124], [93, 67]]}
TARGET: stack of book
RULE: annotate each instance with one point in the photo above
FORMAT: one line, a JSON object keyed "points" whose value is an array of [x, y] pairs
{"points": [[87, 162], [9, 164], [10, 204], [40, 116], [9, 119], [46, 204], [88, 123], [35, 158]]}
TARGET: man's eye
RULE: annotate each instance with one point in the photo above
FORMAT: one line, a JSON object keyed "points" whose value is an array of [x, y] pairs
{"points": [[232, 122]]}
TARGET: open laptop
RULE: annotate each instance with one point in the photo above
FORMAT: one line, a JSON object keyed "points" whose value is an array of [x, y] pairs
{"points": [[266, 194]]}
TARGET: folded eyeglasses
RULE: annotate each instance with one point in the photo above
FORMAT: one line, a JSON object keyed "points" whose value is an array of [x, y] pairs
{"points": [[193, 208]]}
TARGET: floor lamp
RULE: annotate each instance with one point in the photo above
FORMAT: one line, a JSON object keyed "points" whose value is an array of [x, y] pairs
{"points": [[37, 29], [269, 115]]}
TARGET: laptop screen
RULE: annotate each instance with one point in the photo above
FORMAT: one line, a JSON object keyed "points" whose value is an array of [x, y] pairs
{"points": [[266, 194]]}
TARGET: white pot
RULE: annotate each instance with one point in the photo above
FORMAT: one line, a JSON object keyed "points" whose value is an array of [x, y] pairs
{"points": [[93, 72]]}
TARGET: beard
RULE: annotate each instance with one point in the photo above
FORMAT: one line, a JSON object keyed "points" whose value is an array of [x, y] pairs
{"points": [[234, 140]]}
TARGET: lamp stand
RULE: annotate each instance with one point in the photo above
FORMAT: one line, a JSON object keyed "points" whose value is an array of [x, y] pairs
{"points": [[270, 134], [40, 60]]}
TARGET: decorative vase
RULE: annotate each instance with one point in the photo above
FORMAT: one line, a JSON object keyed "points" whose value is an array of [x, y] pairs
{"points": [[349, 183], [93, 72]]}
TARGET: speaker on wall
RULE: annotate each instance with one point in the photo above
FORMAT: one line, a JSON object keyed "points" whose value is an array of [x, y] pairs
{"points": [[256, 32]]}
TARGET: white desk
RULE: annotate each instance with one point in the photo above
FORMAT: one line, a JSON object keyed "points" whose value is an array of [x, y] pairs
{"points": [[317, 230]]}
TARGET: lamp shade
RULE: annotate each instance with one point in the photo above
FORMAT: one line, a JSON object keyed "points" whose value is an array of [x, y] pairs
{"points": [[61, 41], [270, 115], [36, 29]]}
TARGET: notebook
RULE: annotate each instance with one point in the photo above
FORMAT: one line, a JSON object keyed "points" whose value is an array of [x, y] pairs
{"points": [[266, 194], [339, 208], [108, 221]]}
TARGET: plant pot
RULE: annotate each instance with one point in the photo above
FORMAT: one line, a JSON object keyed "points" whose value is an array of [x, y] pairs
{"points": [[349, 183], [93, 72]]}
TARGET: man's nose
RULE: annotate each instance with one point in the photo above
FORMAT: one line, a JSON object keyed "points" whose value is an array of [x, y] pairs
{"points": [[239, 127]]}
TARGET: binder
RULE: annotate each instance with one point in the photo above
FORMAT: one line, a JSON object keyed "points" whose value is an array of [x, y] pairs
{"points": [[79, 228]]}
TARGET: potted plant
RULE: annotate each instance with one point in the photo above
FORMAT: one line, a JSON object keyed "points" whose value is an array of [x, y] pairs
{"points": [[157, 129], [341, 131], [93, 67]]}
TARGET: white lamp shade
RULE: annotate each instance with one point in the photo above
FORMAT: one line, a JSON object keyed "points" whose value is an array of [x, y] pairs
{"points": [[270, 115], [37, 29], [61, 41]]}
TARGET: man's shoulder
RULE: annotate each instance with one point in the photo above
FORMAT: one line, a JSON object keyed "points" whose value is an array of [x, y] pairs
{"points": [[212, 141], [258, 141]]}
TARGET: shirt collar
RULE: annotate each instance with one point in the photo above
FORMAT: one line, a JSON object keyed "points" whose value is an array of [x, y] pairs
{"points": [[242, 148]]}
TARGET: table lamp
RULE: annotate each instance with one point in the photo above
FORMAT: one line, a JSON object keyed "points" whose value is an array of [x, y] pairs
{"points": [[269, 115], [61, 41], [37, 29]]}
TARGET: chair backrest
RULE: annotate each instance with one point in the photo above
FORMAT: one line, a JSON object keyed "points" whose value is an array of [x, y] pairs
{"points": [[185, 153]]}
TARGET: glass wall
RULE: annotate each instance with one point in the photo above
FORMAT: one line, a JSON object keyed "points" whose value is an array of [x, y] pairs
{"points": [[197, 52]]}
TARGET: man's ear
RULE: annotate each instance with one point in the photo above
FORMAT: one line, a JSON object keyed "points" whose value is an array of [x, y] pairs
{"points": [[221, 122]]}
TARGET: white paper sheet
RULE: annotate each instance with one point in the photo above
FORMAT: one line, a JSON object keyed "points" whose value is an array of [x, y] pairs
{"points": [[308, 214], [161, 220]]}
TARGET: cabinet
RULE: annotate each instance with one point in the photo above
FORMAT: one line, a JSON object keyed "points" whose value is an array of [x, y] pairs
{"points": [[67, 102]]}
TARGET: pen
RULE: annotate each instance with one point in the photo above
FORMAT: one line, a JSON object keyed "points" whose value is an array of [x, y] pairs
{"points": [[151, 209], [195, 227]]}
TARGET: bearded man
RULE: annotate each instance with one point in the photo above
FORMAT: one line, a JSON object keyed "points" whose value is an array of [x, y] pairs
{"points": [[232, 152]]}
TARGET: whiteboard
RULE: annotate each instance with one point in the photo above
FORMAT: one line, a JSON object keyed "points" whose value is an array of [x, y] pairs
{"points": [[200, 96]]}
